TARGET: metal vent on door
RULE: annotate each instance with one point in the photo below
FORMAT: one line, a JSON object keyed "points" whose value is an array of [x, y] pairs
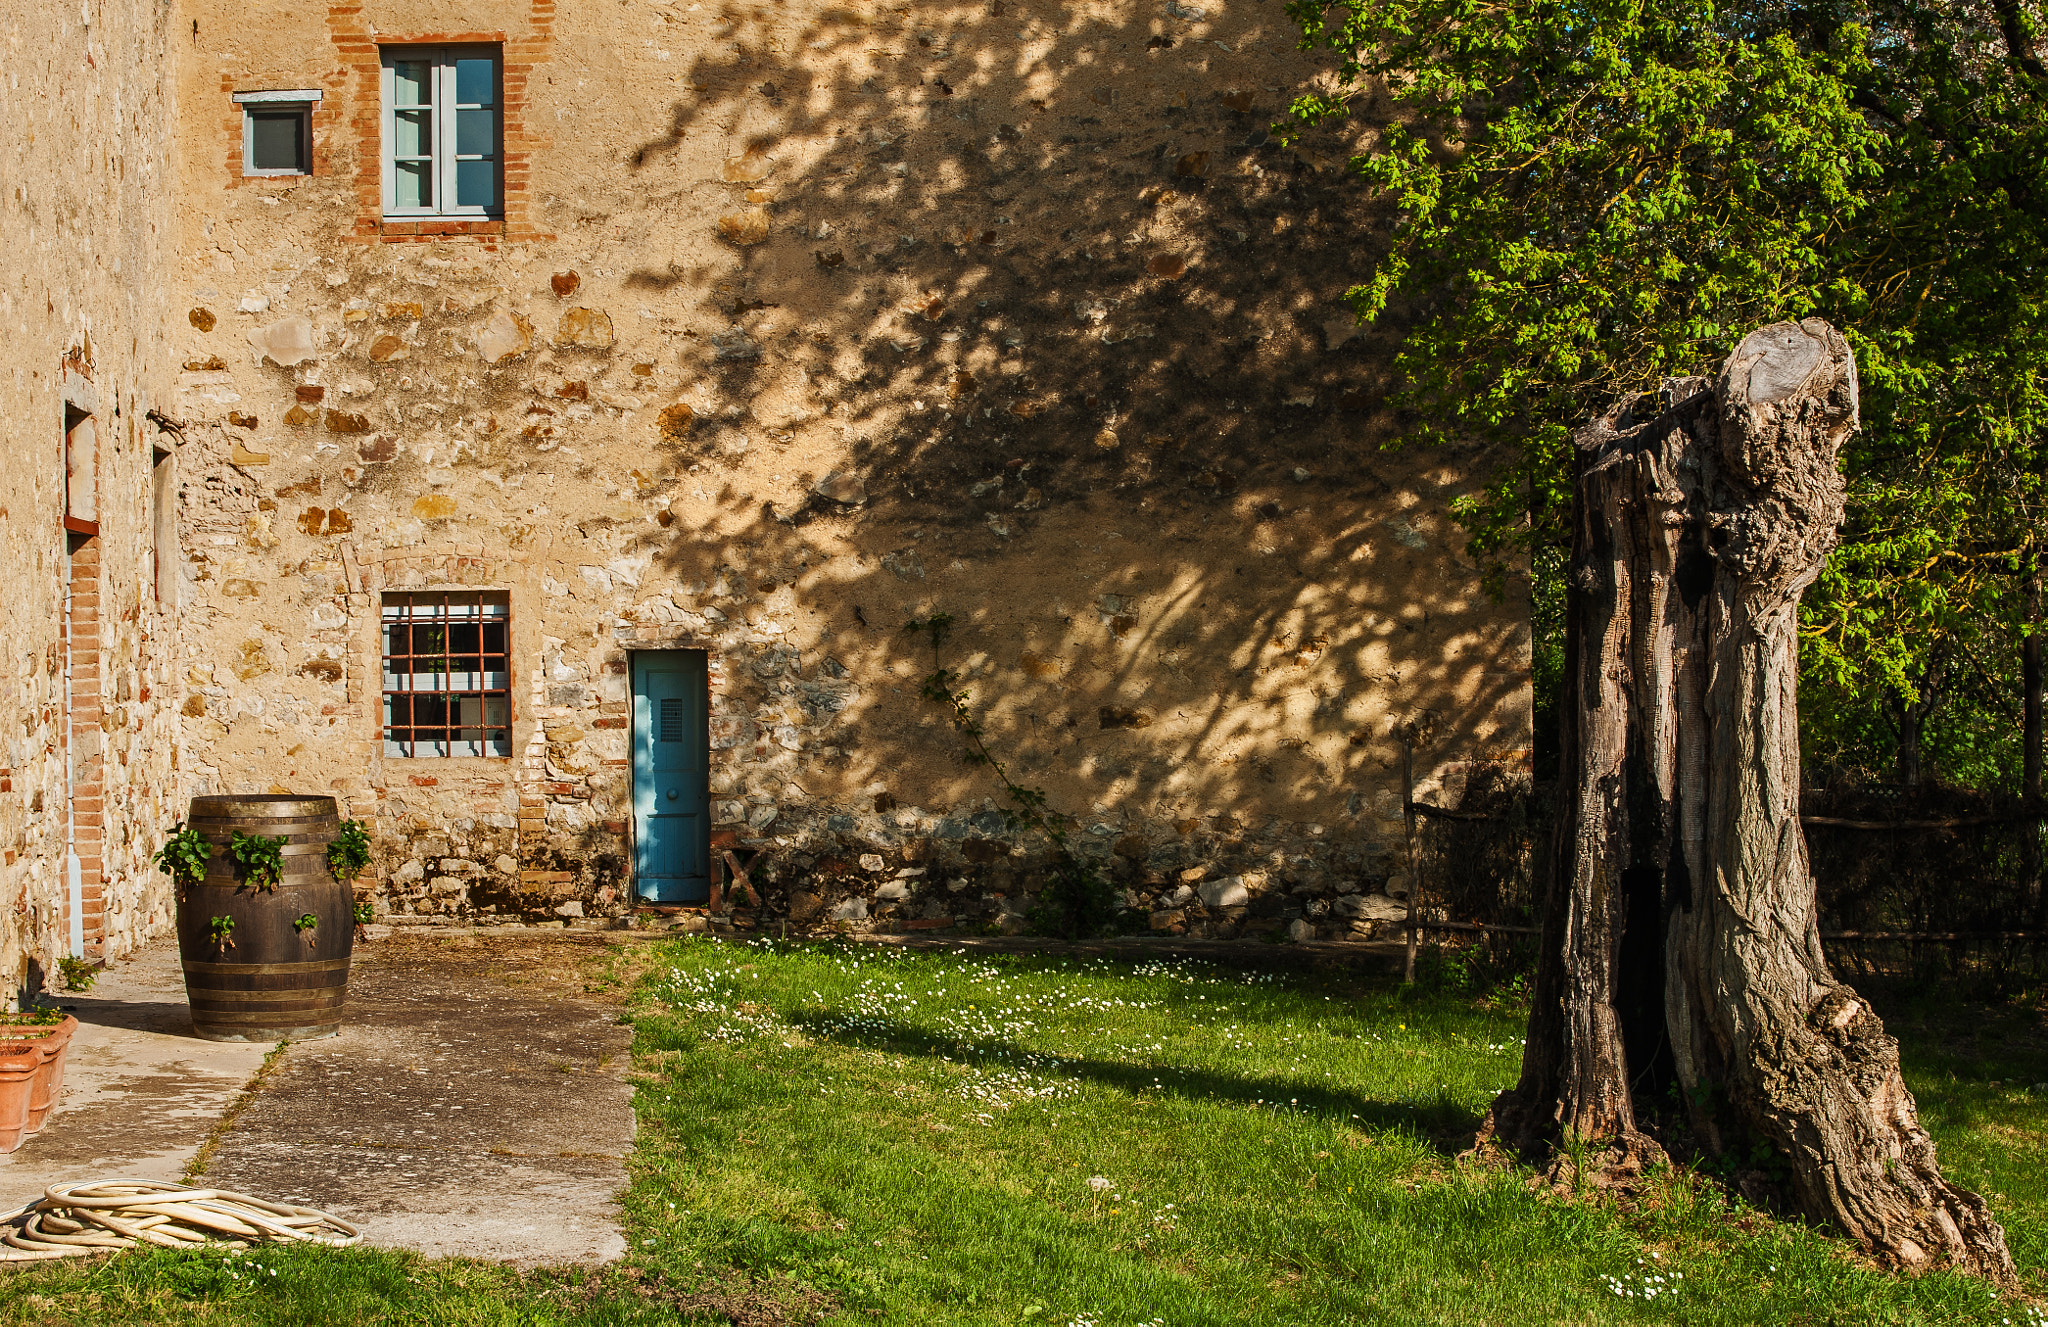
{"points": [[670, 728]]}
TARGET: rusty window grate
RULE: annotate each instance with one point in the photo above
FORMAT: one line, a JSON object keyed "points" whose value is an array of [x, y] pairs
{"points": [[447, 674]]}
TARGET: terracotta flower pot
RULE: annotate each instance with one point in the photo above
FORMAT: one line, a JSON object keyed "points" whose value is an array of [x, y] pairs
{"points": [[49, 1044], [19, 1063], [56, 1048]]}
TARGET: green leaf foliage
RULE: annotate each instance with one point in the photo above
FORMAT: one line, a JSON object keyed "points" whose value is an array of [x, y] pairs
{"points": [[1583, 199], [183, 856], [259, 859], [349, 852]]}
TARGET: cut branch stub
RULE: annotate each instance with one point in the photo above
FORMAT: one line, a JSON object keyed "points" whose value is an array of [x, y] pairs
{"points": [[1681, 954]]}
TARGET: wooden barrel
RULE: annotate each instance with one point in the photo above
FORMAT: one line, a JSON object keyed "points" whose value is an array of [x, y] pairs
{"points": [[273, 981]]}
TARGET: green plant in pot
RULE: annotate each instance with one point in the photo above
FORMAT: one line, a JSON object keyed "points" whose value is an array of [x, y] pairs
{"points": [[34, 1044], [265, 936], [349, 853]]}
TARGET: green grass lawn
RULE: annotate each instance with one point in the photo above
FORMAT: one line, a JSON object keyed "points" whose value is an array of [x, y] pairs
{"points": [[876, 1135]]}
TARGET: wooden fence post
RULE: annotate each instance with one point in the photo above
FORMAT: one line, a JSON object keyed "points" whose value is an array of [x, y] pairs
{"points": [[1414, 862]]}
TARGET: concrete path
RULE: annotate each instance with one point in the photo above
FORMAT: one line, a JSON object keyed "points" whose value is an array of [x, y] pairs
{"points": [[475, 1103], [141, 1093]]}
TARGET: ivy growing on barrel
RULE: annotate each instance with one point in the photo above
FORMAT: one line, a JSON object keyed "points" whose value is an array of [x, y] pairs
{"points": [[259, 859], [184, 856], [349, 853]]}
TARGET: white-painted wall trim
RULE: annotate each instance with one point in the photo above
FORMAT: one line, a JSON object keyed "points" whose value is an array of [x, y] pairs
{"points": [[291, 95]]}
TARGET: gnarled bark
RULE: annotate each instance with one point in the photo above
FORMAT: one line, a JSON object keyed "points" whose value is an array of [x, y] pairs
{"points": [[1681, 955]]}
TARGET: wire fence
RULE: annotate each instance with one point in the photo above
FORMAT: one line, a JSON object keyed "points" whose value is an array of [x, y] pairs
{"points": [[1480, 867], [1934, 883], [1937, 883]]}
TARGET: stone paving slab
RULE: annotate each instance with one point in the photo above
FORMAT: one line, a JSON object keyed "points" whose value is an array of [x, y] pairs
{"points": [[141, 1093], [471, 1106], [474, 1104]]}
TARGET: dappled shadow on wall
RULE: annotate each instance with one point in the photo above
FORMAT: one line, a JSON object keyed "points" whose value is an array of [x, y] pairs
{"points": [[1074, 316]]}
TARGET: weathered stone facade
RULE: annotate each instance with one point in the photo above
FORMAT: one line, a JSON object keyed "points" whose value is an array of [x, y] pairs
{"points": [[90, 686], [799, 323]]}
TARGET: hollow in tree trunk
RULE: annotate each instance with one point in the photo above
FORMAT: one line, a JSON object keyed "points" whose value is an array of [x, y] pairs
{"points": [[2030, 682], [1681, 967]]}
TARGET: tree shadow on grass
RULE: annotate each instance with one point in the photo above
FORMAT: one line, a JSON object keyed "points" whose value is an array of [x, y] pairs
{"points": [[1443, 1124]]}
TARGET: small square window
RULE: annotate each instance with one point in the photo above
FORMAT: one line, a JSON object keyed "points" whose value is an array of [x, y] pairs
{"points": [[277, 131]]}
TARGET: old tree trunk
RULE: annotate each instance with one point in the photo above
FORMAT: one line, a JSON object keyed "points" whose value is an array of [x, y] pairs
{"points": [[1681, 970]]}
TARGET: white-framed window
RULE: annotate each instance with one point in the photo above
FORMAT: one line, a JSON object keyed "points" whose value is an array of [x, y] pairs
{"points": [[442, 130], [277, 131]]}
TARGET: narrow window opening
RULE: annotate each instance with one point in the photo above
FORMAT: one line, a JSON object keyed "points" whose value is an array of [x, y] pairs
{"points": [[163, 504], [81, 457]]}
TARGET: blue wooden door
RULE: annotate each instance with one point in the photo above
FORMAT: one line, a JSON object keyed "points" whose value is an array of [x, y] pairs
{"points": [[671, 790]]}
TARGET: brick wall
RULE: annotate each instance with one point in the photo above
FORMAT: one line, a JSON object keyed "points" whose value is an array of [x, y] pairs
{"points": [[83, 737]]}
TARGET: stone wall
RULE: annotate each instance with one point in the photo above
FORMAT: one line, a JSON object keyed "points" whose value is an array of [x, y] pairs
{"points": [[803, 322], [86, 751]]}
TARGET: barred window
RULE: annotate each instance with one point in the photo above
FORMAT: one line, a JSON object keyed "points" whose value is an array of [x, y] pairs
{"points": [[447, 674]]}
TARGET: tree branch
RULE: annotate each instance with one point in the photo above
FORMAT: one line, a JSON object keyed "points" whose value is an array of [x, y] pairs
{"points": [[2012, 26]]}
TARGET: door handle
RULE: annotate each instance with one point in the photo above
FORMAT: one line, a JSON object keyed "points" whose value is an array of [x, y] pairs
{"points": [[673, 794]]}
